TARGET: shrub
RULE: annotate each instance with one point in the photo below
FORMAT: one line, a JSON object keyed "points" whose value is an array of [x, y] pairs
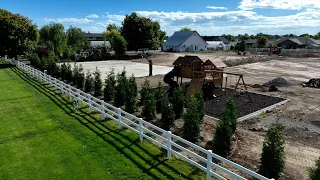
{"points": [[35, 60], [131, 93], [167, 113], [145, 88], [89, 83], [63, 71], [110, 83], [149, 105], [314, 173], [272, 157], [97, 83], [222, 139], [231, 110], [81, 77], [120, 45], [159, 93], [177, 101], [191, 128], [68, 72], [120, 89], [75, 74], [199, 97]]}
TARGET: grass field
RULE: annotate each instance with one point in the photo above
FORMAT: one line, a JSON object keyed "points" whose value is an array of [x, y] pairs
{"points": [[42, 138]]}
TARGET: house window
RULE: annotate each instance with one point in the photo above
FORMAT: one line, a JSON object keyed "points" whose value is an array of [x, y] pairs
{"points": [[196, 48]]}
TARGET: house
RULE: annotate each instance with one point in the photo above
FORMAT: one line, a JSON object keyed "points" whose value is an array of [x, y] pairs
{"points": [[94, 36], [251, 43], [217, 39], [217, 45], [297, 42], [185, 41]]}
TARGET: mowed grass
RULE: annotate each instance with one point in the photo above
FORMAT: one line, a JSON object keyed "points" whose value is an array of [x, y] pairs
{"points": [[42, 138]]}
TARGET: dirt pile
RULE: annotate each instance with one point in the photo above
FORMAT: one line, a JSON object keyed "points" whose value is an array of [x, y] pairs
{"points": [[278, 82]]}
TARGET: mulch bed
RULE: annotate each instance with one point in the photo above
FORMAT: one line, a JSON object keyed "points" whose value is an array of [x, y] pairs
{"points": [[214, 107]]}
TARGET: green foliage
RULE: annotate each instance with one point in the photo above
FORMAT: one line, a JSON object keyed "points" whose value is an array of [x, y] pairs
{"points": [[159, 93], [191, 127], [144, 89], [68, 72], [242, 46], [167, 113], [97, 83], [77, 39], [272, 157], [110, 34], [314, 173], [262, 41], [113, 26], [200, 100], [63, 71], [54, 37], [185, 29], [34, 60], [75, 74], [222, 139], [110, 83], [89, 83], [230, 113], [141, 32], [120, 89], [177, 101], [18, 34], [120, 45], [149, 105], [80, 77], [317, 36], [131, 94]]}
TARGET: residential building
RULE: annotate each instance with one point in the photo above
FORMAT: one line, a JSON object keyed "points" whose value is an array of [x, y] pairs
{"points": [[297, 42], [185, 41], [94, 36]]}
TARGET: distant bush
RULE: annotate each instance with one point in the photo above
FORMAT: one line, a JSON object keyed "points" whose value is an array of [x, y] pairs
{"points": [[177, 101], [149, 105], [314, 173], [131, 93], [272, 157], [97, 83], [110, 83], [167, 113], [89, 83], [120, 89], [191, 127]]}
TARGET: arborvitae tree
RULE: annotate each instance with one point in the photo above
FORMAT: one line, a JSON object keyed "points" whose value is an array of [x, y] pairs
{"points": [[177, 101], [63, 71], [199, 97], [159, 93], [97, 83], [167, 113], [231, 109], [272, 157], [89, 82], [68, 72], [191, 128], [110, 83], [75, 74], [56, 70], [149, 105], [120, 89], [131, 95], [81, 77], [314, 173], [145, 88], [222, 139]]}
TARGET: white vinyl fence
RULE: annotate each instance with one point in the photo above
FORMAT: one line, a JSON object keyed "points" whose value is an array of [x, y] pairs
{"points": [[198, 156]]}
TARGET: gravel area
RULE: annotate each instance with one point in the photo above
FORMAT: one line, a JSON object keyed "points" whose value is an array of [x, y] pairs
{"points": [[215, 106]]}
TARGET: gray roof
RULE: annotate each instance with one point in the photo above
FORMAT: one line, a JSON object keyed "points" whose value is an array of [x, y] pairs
{"points": [[100, 43], [251, 41], [94, 34], [298, 40], [178, 38]]}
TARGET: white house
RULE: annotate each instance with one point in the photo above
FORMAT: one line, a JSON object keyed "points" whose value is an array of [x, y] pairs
{"points": [[185, 41]]}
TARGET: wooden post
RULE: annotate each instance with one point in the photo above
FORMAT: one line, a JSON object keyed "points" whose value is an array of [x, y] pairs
{"points": [[245, 86]]}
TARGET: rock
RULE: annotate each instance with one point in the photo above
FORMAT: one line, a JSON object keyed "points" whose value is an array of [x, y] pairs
{"points": [[273, 88]]}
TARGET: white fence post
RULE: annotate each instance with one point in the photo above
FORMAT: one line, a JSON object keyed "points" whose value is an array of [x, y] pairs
{"points": [[103, 110], [119, 118], [70, 92], [140, 129], [209, 166], [169, 145], [89, 98]]}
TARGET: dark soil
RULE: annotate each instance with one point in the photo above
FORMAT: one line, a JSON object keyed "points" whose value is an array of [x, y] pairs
{"points": [[214, 107]]}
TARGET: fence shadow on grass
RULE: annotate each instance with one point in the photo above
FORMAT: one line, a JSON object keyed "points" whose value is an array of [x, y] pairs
{"points": [[66, 106]]}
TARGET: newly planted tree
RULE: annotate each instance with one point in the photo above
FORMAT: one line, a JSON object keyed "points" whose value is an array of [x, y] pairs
{"points": [[191, 128], [110, 83], [89, 83], [63, 71], [314, 173], [167, 113], [97, 83], [199, 97], [159, 93], [68, 72], [81, 77], [75, 74], [145, 88], [149, 105], [120, 89], [272, 157], [131, 94], [232, 115], [177, 101]]}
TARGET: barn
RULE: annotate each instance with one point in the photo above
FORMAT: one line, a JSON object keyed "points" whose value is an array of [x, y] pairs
{"points": [[185, 41]]}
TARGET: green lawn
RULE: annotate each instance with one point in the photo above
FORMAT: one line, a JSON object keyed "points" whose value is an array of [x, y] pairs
{"points": [[41, 138]]}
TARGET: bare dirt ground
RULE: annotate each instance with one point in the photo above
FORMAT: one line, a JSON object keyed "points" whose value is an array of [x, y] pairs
{"points": [[300, 116]]}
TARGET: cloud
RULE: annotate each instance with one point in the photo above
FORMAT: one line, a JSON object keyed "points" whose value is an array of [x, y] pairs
{"points": [[69, 20], [92, 16], [216, 7], [279, 4]]}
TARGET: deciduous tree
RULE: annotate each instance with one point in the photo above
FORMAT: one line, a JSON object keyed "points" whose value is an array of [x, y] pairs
{"points": [[77, 39], [185, 29]]}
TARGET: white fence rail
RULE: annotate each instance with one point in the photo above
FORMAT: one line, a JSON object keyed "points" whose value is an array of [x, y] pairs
{"points": [[198, 156]]}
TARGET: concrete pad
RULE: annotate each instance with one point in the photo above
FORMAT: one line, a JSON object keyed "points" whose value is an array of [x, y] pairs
{"points": [[137, 69]]}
